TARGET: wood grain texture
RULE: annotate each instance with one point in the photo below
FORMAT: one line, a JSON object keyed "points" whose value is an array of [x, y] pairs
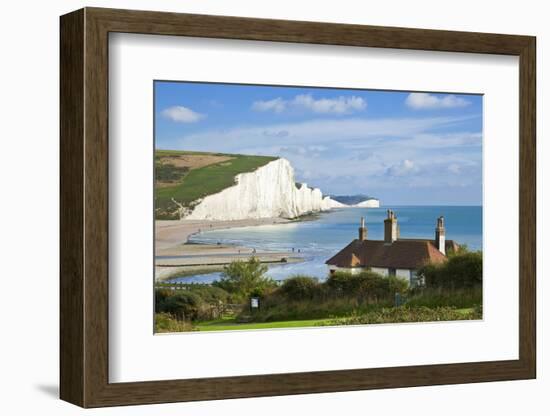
{"points": [[527, 208], [96, 208], [71, 100], [84, 207]]}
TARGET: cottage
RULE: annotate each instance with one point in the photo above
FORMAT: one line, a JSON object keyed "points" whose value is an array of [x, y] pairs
{"points": [[393, 256]]}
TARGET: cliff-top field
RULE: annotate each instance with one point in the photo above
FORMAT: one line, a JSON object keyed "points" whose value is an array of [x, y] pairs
{"points": [[187, 176]]}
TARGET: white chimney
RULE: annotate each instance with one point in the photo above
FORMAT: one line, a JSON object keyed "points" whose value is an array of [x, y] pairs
{"points": [[391, 229], [440, 235], [362, 230]]}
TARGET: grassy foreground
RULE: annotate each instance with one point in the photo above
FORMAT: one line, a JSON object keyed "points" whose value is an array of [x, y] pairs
{"points": [[393, 315], [230, 324]]}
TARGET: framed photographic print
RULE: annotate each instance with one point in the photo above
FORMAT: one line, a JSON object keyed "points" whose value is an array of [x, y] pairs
{"points": [[255, 207]]}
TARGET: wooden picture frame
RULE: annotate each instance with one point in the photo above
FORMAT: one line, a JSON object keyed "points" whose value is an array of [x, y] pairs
{"points": [[84, 207]]}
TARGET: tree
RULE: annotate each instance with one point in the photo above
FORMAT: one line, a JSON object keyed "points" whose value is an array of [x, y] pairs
{"points": [[245, 278]]}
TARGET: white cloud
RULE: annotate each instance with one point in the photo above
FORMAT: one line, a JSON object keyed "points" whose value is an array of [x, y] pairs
{"points": [[315, 148], [403, 168], [277, 105], [337, 105], [356, 153], [425, 101], [181, 114], [441, 140], [357, 133]]}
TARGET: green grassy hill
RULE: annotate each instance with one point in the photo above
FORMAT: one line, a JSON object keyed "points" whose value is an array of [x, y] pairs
{"points": [[187, 176]]}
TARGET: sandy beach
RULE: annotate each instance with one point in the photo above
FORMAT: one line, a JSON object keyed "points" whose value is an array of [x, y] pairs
{"points": [[175, 256]]}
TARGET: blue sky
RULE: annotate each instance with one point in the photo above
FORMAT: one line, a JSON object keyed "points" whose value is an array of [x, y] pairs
{"points": [[404, 148]]}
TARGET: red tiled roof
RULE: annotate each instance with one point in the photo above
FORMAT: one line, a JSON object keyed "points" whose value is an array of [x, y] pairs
{"points": [[450, 245], [401, 254]]}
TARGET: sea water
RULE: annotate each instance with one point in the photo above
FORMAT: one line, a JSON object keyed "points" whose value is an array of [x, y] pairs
{"points": [[319, 239]]}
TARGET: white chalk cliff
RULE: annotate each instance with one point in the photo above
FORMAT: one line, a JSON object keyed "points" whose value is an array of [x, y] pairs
{"points": [[369, 203], [269, 191]]}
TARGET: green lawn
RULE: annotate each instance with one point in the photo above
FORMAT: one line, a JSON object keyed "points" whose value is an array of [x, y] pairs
{"points": [[229, 324], [207, 180]]}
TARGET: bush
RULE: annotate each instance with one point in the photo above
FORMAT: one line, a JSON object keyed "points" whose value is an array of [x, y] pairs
{"points": [[181, 304], [167, 172], [407, 314], [438, 297], [465, 270], [300, 288], [343, 294], [192, 301], [366, 285], [462, 270], [160, 296], [210, 294]]}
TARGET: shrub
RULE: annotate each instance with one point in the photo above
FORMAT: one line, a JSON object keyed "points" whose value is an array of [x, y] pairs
{"points": [[438, 297], [465, 270], [167, 172], [407, 314], [462, 270], [181, 304], [343, 294], [160, 296], [366, 285], [300, 287], [192, 301], [210, 294]]}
